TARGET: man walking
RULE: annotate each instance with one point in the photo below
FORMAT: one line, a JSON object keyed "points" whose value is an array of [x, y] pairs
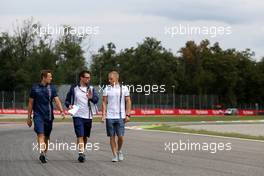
{"points": [[40, 101], [116, 110], [81, 97]]}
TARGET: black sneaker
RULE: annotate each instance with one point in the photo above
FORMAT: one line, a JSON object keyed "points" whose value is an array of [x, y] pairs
{"points": [[81, 157], [42, 158]]}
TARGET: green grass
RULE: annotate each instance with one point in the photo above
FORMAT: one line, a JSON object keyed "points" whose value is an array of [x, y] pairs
{"points": [[175, 128], [157, 118], [193, 118]]}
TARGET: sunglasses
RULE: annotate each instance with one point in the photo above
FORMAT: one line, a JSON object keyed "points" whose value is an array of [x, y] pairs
{"points": [[87, 77]]}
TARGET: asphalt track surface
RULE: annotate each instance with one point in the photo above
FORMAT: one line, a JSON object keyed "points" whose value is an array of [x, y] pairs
{"points": [[145, 154], [247, 129]]}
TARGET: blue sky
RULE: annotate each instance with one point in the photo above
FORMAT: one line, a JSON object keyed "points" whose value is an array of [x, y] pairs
{"points": [[127, 22]]}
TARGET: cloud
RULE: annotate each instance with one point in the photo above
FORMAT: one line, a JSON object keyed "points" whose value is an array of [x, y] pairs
{"points": [[230, 12], [128, 22]]}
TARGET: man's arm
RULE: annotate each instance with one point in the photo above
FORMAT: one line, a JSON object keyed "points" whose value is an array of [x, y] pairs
{"points": [[128, 108], [59, 106], [104, 107], [30, 107], [68, 102], [95, 97]]}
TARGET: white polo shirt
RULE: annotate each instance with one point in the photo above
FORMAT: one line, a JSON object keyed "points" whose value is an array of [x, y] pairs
{"points": [[113, 101], [81, 101]]}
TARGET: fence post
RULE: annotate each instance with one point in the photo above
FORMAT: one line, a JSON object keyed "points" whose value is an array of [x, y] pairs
{"points": [[25, 100], [181, 101], [3, 99], [200, 102], [193, 103], [153, 101], [187, 101], [173, 94], [205, 102], [146, 102], [14, 99], [257, 108], [159, 100], [212, 101]]}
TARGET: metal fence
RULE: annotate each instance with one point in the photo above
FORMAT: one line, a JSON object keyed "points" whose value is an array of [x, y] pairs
{"points": [[155, 100], [13, 99], [167, 101]]}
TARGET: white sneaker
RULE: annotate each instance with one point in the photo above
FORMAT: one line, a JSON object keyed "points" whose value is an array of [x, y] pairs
{"points": [[120, 156], [115, 159]]}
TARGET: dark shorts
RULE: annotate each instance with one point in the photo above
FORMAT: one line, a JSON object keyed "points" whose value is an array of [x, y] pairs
{"points": [[42, 125], [115, 127], [82, 127]]}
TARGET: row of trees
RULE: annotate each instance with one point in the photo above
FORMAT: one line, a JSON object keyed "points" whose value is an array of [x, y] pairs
{"points": [[25, 53], [197, 68]]}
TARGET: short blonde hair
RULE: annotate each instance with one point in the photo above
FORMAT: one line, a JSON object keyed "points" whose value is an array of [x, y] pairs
{"points": [[115, 73]]}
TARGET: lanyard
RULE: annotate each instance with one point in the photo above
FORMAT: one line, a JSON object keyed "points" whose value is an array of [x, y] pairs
{"points": [[89, 104], [120, 101], [49, 93]]}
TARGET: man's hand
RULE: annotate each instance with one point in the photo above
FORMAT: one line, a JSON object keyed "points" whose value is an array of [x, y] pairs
{"points": [[89, 94], [103, 118], [29, 121], [127, 119], [62, 115]]}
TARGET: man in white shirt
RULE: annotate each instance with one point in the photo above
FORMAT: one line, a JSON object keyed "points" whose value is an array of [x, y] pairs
{"points": [[116, 111], [82, 96]]}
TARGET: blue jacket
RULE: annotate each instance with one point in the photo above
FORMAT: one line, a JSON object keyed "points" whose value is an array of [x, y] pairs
{"points": [[71, 96]]}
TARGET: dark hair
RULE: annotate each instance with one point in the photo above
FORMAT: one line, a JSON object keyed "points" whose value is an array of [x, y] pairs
{"points": [[81, 74], [44, 73]]}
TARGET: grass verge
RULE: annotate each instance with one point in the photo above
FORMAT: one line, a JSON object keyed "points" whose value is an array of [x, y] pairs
{"points": [[193, 118], [175, 128]]}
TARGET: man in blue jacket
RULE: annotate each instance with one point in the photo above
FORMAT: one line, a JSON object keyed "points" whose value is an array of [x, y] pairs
{"points": [[40, 102], [82, 97]]}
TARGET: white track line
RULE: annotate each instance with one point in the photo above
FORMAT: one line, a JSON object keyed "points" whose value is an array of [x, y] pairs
{"points": [[195, 134]]}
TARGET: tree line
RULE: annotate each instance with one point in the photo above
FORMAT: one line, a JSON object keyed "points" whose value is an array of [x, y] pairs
{"points": [[197, 68], [25, 53]]}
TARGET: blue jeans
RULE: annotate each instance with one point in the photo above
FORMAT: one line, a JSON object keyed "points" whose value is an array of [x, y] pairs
{"points": [[115, 127]]}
